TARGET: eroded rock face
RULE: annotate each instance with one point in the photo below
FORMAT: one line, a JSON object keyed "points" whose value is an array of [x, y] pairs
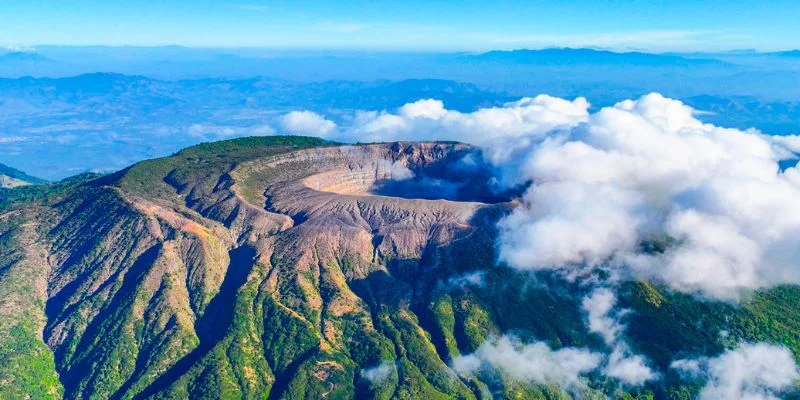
{"points": [[431, 171], [334, 197], [331, 192]]}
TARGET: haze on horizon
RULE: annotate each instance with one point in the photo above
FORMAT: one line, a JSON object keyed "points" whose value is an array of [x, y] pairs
{"points": [[90, 86], [679, 26], [426, 199]]}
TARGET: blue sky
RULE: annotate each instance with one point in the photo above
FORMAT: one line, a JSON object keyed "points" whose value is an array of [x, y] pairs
{"points": [[406, 25]]}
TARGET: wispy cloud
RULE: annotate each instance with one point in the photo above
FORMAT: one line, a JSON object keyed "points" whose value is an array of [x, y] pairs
{"points": [[18, 49], [342, 27], [259, 8], [218, 131], [535, 362], [12, 139], [604, 320], [380, 372]]}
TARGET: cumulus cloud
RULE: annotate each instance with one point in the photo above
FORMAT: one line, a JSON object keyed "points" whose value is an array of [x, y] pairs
{"points": [[535, 362], [504, 132], [570, 224], [648, 168], [752, 371], [307, 123], [629, 368], [603, 183]]}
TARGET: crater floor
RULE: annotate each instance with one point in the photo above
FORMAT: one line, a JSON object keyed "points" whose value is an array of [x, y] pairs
{"points": [[416, 172]]}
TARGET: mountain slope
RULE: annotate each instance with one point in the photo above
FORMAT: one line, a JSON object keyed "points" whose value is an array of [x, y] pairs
{"points": [[11, 177], [269, 268]]}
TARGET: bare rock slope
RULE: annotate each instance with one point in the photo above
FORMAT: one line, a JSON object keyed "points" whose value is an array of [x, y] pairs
{"points": [[11, 178]]}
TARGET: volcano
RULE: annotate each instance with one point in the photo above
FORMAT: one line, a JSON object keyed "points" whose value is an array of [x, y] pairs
{"points": [[292, 267]]}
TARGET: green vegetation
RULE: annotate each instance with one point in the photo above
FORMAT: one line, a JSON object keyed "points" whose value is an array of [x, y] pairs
{"points": [[45, 193], [17, 174], [203, 164], [114, 289], [27, 365], [444, 321], [667, 324]]}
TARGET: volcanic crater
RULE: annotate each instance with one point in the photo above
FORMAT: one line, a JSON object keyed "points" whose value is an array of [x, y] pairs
{"points": [[427, 171]]}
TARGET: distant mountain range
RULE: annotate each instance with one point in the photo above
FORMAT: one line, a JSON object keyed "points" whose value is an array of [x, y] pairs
{"points": [[791, 53], [23, 56], [570, 56], [121, 119], [175, 62]]}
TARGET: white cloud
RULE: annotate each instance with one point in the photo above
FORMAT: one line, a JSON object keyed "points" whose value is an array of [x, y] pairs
{"points": [[605, 182], [599, 306], [210, 131], [12, 139], [534, 362], [380, 372], [429, 108], [476, 278], [752, 371], [504, 131], [307, 123], [790, 143], [648, 168], [342, 27], [568, 224], [402, 173], [258, 8], [395, 171], [19, 49], [629, 368]]}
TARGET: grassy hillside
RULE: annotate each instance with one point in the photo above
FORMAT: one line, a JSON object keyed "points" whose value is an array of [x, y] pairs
{"points": [[17, 174]]}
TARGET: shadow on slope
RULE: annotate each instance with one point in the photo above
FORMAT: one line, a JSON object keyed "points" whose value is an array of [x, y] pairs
{"points": [[212, 326]]}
